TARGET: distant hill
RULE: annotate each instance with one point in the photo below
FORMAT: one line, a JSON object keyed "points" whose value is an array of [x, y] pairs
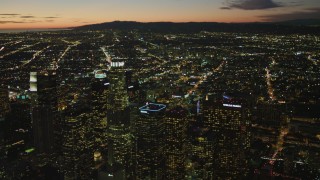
{"points": [[301, 22], [192, 27]]}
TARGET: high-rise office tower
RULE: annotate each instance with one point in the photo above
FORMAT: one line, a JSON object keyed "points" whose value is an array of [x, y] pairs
{"points": [[77, 143], [43, 89], [42, 123], [18, 118], [99, 95], [4, 102], [149, 142], [176, 123], [229, 120], [118, 117]]}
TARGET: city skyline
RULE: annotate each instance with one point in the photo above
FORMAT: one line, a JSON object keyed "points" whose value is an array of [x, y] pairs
{"points": [[231, 101], [145, 89], [61, 14]]}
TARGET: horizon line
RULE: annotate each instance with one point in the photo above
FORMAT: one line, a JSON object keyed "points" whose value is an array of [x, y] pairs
{"points": [[146, 22]]}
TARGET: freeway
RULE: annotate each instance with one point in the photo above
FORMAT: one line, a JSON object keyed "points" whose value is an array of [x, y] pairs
{"points": [[11, 42], [34, 56], [18, 50]]}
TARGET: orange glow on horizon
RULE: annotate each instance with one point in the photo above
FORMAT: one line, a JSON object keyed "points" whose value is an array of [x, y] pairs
{"points": [[31, 14], [76, 24]]}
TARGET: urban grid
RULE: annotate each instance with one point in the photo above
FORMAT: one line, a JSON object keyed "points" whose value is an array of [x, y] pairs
{"points": [[139, 103]]}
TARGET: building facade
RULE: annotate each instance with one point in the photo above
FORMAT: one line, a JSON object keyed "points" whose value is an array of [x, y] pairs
{"points": [[229, 126], [149, 142]]}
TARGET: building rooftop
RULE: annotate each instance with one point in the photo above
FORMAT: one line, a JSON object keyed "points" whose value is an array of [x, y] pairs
{"points": [[152, 108]]}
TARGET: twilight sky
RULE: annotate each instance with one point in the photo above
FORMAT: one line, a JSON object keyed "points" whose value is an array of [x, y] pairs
{"points": [[67, 13]]}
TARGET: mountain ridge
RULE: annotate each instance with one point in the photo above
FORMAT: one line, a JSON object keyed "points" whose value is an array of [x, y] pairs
{"points": [[293, 26]]}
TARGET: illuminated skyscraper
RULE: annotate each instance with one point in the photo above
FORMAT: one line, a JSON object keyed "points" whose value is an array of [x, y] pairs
{"points": [[118, 117], [229, 120], [175, 143], [100, 92], [77, 143], [149, 136]]}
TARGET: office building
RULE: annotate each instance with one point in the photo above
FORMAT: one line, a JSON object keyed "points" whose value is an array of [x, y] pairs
{"points": [[99, 95], [149, 142], [176, 122], [229, 121], [77, 143], [118, 118], [44, 104]]}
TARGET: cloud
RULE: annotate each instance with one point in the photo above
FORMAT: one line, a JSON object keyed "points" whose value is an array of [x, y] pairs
{"points": [[251, 4], [9, 14], [26, 17], [15, 22], [51, 17], [310, 13], [226, 8], [18, 22], [34, 21]]}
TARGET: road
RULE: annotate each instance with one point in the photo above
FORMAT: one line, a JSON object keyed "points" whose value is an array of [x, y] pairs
{"points": [[18, 50], [313, 61], [270, 89], [205, 75], [34, 56], [11, 42], [278, 148], [108, 57], [72, 44]]}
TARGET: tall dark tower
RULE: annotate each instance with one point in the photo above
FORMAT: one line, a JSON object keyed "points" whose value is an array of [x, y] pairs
{"points": [[118, 117], [43, 87], [176, 123], [4, 102], [149, 137], [229, 120]]}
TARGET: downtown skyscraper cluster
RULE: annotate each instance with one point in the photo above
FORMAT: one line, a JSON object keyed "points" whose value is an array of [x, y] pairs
{"points": [[146, 105]]}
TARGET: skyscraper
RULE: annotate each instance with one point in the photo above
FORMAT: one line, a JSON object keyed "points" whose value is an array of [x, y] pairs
{"points": [[149, 142], [118, 117], [175, 142], [43, 89], [77, 143], [99, 95], [229, 120]]}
